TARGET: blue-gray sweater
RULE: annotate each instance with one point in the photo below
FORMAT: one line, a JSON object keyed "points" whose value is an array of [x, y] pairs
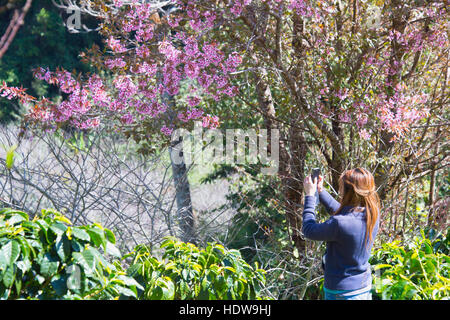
{"points": [[346, 259]]}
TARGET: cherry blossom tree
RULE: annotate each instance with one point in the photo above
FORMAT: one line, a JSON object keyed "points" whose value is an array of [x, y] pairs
{"points": [[352, 82]]}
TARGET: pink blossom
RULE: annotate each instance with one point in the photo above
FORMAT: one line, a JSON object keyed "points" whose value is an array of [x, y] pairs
{"points": [[174, 20], [324, 91], [210, 121], [127, 118], [144, 68], [342, 93], [125, 86], [145, 33], [116, 105], [220, 81], [115, 63], [142, 51], [166, 130], [301, 7], [212, 54], [191, 69], [191, 114], [361, 119], [115, 45], [191, 47], [364, 134], [344, 117], [193, 101], [205, 80], [90, 123], [118, 3], [232, 62], [167, 49]]}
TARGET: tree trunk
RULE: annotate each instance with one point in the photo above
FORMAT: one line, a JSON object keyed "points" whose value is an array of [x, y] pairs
{"points": [[337, 165], [185, 214], [291, 165], [431, 193], [292, 174]]}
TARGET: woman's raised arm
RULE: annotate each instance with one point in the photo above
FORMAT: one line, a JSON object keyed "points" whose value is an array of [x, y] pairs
{"points": [[327, 199]]}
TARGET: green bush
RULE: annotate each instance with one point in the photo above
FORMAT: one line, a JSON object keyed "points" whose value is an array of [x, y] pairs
{"points": [[419, 271], [47, 258], [187, 272]]}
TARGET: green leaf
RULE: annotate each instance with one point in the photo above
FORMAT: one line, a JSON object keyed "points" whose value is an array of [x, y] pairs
{"points": [[97, 236], [76, 246], [110, 236], [58, 228], [10, 157], [168, 289], [9, 253], [112, 250], [62, 218], [48, 266], [220, 284], [9, 276], [18, 285], [24, 265], [86, 259], [134, 270], [59, 284], [381, 266], [184, 290], [15, 216], [63, 247], [80, 234], [128, 281], [126, 292]]}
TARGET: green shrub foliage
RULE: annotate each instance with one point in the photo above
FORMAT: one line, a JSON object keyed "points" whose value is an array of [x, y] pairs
{"points": [[419, 271], [48, 258], [187, 272]]}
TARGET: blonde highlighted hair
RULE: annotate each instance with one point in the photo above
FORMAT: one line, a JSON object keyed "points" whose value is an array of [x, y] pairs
{"points": [[357, 189]]}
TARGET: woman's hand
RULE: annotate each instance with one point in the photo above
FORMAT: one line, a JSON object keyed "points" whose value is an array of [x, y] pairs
{"points": [[310, 186], [320, 184]]}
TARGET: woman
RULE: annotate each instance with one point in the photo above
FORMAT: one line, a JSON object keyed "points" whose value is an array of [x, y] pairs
{"points": [[349, 233]]}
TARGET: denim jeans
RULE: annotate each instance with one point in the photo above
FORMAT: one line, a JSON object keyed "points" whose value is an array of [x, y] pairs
{"points": [[360, 294]]}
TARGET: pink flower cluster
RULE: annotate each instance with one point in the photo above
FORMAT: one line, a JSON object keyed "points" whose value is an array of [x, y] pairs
{"points": [[210, 121], [152, 109], [301, 7], [237, 6], [166, 130], [115, 63], [191, 114], [116, 45], [398, 112], [14, 92]]}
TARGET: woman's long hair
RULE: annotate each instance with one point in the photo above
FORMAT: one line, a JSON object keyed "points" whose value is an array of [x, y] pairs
{"points": [[357, 189]]}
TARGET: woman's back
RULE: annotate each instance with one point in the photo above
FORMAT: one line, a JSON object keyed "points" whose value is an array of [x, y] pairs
{"points": [[346, 259], [349, 232]]}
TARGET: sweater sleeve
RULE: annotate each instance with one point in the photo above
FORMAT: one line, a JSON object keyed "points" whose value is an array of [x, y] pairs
{"points": [[326, 231], [328, 201]]}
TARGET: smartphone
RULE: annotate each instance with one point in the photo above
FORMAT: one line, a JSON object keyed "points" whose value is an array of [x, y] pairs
{"points": [[315, 174]]}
